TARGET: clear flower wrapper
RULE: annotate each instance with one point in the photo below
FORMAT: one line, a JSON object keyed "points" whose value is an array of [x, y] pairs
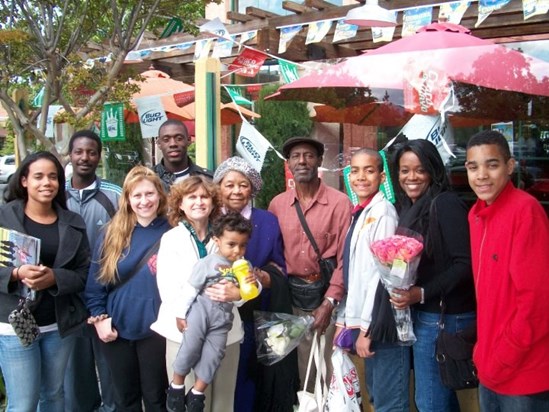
{"points": [[397, 259], [277, 334]]}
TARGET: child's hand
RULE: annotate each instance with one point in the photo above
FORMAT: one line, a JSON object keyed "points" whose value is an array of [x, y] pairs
{"points": [[262, 277], [181, 324]]}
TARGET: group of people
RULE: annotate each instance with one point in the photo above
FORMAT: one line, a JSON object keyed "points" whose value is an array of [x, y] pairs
{"points": [[134, 283]]}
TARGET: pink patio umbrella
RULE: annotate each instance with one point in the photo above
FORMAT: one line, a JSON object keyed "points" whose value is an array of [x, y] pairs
{"points": [[417, 71]]}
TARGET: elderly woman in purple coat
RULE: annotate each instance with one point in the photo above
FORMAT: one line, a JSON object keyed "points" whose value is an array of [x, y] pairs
{"points": [[259, 387]]}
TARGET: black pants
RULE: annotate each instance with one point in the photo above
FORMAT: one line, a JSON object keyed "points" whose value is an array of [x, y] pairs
{"points": [[138, 371]]}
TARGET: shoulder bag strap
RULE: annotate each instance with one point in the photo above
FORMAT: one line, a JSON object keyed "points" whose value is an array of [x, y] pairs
{"points": [[142, 262], [105, 202], [306, 228]]}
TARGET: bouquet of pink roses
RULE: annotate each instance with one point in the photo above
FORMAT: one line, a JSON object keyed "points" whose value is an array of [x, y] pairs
{"points": [[398, 258]]}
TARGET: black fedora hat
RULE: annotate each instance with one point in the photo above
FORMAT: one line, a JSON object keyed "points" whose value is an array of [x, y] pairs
{"points": [[294, 141]]}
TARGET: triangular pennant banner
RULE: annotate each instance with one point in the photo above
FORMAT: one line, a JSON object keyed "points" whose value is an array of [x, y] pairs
{"points": [[248, 63], [286, 36], [317, 31], [112, 122], [252, 146], [151, 115], [288, 71], [414, 19], [234, 92]]}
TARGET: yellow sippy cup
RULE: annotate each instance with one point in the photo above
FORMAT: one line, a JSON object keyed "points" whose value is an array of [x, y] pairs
{"points": [[241, 269]]}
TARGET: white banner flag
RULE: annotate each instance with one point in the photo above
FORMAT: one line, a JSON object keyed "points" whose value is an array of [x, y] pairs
{"points": [[453, 11], [344, 31], [431, 128], [317, 31], [534, 7], [252, 146], [50, 129], [223, 47], [286, 36], [215, 27], [151, 115], [202, 48]]}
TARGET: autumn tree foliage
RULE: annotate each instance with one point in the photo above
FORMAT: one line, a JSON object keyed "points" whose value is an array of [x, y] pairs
{"points": [[75, 52]]}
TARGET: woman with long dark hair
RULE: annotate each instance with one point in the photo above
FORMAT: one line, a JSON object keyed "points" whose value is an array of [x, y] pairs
{"points": [[36, 206], [428, 206]]}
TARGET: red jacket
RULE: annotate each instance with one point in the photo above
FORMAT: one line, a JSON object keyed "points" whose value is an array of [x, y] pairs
{"points": [[510, 255]]}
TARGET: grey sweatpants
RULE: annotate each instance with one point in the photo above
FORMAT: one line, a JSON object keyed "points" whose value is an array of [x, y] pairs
{"points": [[203, 344]]}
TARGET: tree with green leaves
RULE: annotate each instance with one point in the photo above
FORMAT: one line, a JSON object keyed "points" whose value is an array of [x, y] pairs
{"points": [[279, 121], [58, 45]]}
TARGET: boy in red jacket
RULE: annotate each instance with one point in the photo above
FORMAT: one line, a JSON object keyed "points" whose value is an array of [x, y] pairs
{"points": [[510, 244]]}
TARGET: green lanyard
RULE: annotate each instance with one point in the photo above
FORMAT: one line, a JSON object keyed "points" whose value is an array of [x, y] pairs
{"points": [[202, 252]]}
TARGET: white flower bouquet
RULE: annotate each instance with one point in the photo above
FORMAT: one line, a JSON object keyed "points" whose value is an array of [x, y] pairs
{"points": [[277, 334]]}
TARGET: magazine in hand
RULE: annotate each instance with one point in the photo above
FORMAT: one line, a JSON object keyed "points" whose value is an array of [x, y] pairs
{"points": [[18, 249]]}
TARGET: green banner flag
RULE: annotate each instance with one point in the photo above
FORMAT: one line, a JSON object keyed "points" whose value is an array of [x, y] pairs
{"points": [[112, 122], [387, 186], [288, 71], [234, 92], [175, 25]]}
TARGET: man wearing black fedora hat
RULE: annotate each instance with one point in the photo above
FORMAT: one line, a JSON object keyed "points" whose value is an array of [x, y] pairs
{"points": [[327, 214]]}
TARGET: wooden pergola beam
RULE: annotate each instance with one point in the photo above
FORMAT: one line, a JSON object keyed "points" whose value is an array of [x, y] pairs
{"points": [[297, 8], [239, 17], [260, 13], [319, 4]]}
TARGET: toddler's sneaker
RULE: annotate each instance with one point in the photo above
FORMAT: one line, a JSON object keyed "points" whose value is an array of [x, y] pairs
{"points": [[194, 403], [175, 400]]}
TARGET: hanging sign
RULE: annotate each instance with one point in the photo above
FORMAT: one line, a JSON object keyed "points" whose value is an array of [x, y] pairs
{"points": [[112, 122]]}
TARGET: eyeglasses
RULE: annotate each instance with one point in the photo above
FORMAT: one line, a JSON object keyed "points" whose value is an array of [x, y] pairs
{"points": [[177, 137]]}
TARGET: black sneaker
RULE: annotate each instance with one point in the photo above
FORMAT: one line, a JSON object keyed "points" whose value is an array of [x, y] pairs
{"points": [[194, 403], [175, 400]]}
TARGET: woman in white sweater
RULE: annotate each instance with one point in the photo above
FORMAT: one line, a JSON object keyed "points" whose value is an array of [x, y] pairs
{"points": [[192, 204]]}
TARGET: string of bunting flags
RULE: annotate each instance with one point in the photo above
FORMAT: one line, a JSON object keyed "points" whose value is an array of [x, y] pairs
{"points": [[221, 43]]}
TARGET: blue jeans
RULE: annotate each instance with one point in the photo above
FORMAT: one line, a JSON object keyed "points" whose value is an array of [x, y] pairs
{"points": [[491, 401], [34, 374], [388, 377], [431, 395]]}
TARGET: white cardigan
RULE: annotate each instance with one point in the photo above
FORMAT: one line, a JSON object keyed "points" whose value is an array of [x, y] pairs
{"points": [[377, 221], [176, 257]]}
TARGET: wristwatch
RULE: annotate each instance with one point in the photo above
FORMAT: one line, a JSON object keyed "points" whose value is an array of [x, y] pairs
{"points": [[332, 301], [422, 301]]}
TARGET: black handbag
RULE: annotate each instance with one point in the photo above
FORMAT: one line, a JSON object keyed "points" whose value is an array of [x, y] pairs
{"points": [[309, 295], [23, 323], [454, 355]]}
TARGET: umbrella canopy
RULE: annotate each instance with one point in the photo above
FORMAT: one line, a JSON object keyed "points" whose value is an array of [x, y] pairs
{"points": [[416, 71], [366, 114], [158, 83]]}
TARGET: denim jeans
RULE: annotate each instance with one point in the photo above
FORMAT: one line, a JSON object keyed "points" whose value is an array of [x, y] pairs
{"points": [[491, 401], [431, 395], [388, 377], [34, 374]]}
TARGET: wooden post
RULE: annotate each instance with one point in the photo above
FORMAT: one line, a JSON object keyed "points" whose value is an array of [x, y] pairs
{"points": [[208, 114]]}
